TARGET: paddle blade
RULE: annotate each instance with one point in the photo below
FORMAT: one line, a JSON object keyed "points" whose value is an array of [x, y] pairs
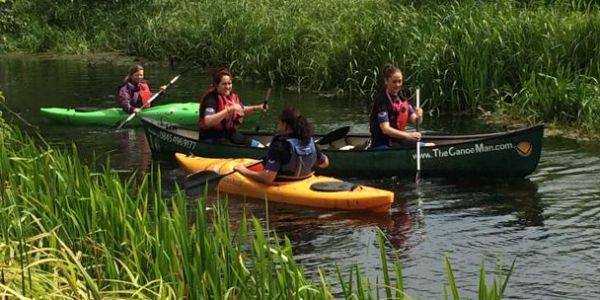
{"points": [[197, 182], [333, 135]]}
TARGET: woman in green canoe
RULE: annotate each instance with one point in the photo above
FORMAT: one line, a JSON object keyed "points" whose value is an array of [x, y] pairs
{"points": [[134, 93]]}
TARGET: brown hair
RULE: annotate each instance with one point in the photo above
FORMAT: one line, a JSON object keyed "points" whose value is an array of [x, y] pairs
{"points": [[132, 71], [219, 73], [300, 126], [389, 70]]}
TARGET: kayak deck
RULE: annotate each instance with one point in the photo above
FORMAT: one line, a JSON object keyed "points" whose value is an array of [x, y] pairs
{"points": [[299, 192], [180, 113]]}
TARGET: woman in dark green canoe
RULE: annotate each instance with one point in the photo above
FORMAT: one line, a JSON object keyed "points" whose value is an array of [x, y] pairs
{"points": [[222, 112], [134, 93], [391, 112]]}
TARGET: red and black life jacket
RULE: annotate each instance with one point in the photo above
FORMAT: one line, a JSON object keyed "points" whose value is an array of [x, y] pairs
{"points": [[399, 117], [229, 122]]}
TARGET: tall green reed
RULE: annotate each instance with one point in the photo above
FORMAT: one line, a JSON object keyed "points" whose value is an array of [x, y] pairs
{"points": [[70, 231]]}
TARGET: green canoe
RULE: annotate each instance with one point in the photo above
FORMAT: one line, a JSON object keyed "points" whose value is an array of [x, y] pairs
{"points": [[502, 154], [179, 113]]}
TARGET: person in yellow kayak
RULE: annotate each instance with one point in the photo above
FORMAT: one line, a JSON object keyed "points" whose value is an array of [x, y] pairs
{"points": [[135, 92], [391, 112], [222, 112], [292, 154]]}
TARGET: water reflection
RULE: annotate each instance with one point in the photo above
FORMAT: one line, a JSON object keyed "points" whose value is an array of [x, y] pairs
{"points": [[494, 197]]}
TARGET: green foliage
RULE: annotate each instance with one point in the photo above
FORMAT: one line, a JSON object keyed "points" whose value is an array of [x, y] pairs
{"points": [[464, 55], [71, 232]]}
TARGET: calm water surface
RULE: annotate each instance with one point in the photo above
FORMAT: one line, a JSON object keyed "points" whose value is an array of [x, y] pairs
{"points": [[549, 222]]}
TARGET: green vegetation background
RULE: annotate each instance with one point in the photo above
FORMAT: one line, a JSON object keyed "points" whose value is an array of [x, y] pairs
{"points": [[536, 61]]}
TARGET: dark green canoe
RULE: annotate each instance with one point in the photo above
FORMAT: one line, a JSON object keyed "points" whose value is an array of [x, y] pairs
{"points": [[179, 113], [505, 154]]}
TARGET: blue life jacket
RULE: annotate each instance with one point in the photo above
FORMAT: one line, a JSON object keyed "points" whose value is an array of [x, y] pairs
{"points": [[302, 160]]}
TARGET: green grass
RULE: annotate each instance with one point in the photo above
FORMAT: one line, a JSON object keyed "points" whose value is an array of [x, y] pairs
{"points": [[70, 231]]}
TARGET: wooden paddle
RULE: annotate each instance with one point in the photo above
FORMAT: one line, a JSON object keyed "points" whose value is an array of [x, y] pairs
{"points": [[212, 178], [418, 174], [132, 115], [262, 113]]}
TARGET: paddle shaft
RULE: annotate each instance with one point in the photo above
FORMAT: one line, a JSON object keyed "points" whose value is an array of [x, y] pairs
{"points": [[264, 106], [418, 175], [132, 115], [209, 177]]}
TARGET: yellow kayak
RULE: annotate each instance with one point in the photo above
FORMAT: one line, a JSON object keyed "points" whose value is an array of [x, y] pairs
{"points": [[315, 191]]}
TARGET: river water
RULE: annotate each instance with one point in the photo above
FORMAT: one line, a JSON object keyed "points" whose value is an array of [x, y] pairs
{"points": [[549, 222]]}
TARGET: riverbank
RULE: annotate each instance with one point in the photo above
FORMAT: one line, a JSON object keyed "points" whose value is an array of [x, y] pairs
{"points": [[530, 61]]}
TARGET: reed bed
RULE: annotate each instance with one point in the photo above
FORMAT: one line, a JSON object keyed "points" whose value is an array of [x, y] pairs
{"points": [[71, 232], [467, 56]]}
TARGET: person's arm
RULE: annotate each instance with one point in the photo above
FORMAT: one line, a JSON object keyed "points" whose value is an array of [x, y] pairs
{"points": [[322, 159], [210, 114], [387, 129], [125, 99], [273, 162], [398, 134], [248, 110], [415, 114], [265, 176]]}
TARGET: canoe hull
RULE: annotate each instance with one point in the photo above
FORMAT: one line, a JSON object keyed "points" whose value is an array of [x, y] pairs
{"points": [[361, 198], [505, 154]]}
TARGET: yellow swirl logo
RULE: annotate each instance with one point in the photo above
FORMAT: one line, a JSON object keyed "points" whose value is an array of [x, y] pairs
{"points": [[524, 148]]}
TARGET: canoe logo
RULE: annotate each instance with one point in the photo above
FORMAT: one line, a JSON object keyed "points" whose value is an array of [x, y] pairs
{"points": [[524, 148]]}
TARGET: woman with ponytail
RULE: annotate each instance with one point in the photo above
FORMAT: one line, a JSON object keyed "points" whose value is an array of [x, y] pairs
{"points": [[391, 112], [292, 153]]}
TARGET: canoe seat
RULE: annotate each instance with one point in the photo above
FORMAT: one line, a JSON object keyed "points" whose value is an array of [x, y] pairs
{"points": [[333, 186]]}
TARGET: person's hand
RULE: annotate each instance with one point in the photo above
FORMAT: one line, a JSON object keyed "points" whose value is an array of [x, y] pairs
{"points": [[240, 169], [413, 136], [235, 108], [162, 88], [136, 110], [419, 112], [263, 107]]}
